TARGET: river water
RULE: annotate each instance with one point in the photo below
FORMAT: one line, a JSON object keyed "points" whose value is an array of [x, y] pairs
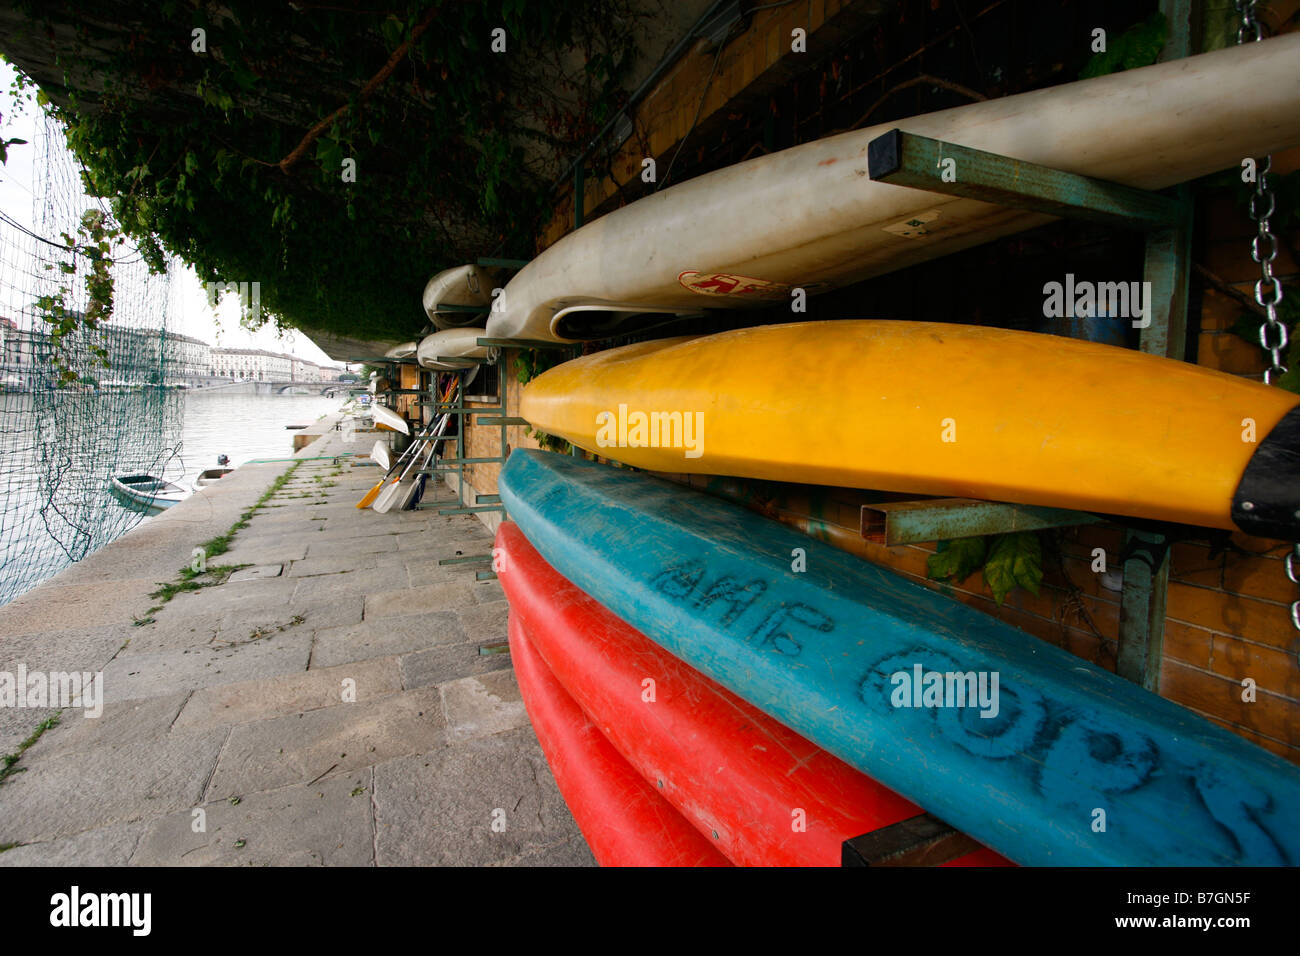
{"points": [[56, 456]]}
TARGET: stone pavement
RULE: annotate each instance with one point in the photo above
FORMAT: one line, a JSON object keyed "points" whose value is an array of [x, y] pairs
{"points": [[330, 707]]}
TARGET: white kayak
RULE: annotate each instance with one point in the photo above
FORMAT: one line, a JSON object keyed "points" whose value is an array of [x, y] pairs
{"points": [[469, 286], [402, 352], [452, 349], [810, 217], [385, 417]]}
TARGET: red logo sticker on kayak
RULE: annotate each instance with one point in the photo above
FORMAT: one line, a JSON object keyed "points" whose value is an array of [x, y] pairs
{"points": [[722, 283]]}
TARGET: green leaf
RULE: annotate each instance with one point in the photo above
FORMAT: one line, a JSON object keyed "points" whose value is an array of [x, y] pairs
{"points": [[956, 560], [1015, 560], [1139, 45]]}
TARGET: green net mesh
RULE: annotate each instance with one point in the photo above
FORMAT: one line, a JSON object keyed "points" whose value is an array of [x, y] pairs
{"points": [[72, 417]]}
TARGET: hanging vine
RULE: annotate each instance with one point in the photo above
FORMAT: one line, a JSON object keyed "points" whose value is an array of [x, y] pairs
{"points": [[70, 331], [339, 156]]}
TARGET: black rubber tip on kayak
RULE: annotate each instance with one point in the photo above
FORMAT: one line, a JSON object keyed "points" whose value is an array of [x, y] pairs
{"points": [[1267, 501], [885, 154]]}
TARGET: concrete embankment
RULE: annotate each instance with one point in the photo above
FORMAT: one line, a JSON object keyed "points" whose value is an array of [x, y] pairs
{"points": [[331, 703]]}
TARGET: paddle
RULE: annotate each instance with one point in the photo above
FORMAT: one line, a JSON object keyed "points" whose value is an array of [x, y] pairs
{"points": [[390, 495], [370, 496]]}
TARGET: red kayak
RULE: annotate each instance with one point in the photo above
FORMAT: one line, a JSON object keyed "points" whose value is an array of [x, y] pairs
{"points": [[622, 818], [763, 794]]}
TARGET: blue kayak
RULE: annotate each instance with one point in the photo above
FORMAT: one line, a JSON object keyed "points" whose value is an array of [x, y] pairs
{"points": [[1037, 753]]}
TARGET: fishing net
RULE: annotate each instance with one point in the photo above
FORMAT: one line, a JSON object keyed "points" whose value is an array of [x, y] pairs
{"points": [[75, 408]]}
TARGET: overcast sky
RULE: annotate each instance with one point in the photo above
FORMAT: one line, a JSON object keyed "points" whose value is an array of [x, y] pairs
{"points": [[196, 318]]}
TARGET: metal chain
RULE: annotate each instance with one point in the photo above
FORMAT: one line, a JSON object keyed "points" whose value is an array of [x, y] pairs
{"points": [[1272, 334], [1292, 560]]}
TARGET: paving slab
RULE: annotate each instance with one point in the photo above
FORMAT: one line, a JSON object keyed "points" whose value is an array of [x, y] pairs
{"points": [[485, 623], [407, 600], [159, 673], [323, 824], [394, 635], [451, 662], [105, 846], [440, 808], [304, 747], [63, 794], [480, 706], [122, 723], [323, 586], [247, 701]]}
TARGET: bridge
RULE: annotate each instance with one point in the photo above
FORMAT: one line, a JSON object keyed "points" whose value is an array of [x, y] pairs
{"points": [[253, 387]]}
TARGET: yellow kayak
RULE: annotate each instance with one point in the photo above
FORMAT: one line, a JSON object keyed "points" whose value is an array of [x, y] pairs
{"points": [[939, 409]]}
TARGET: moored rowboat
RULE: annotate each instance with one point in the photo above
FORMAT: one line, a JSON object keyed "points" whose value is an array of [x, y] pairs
{"points": [[147, 491]]}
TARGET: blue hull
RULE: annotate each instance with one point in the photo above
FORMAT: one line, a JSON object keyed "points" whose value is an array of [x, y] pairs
{"points": [[1066, 764]]}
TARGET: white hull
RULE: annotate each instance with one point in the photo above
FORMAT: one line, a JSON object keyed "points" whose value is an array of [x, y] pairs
{"points": [[387, 418], [458, 344], [810, 217], [148, 492], [463, 285], [404, 351]]}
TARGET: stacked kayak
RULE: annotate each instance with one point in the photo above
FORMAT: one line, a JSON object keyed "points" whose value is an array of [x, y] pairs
{"points": [[811, 218], [942, 409], [1037, 754], [631, 730], [625, 822]]}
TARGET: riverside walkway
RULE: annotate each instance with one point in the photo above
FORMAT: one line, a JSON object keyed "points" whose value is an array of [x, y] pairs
{"points": [[340, 701]]}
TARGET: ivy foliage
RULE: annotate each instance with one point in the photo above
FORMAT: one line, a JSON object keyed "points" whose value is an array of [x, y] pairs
{"points": [[1009, 561], [96, 236], [1139, 45], [529, 364], [186, 116]]}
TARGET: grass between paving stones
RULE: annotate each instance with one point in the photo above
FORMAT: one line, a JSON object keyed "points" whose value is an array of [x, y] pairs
{"points": [[190, 579], [9, 763]]}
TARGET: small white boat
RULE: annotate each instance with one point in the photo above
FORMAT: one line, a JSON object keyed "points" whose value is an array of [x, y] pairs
{"points": [[458, 346], [402, 352], [464, 286], [211, 476], [152, 493], [387, 418]]}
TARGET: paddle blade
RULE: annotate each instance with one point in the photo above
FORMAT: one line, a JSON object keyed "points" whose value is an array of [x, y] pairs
{"points": [[386, 497], [371, 495]]}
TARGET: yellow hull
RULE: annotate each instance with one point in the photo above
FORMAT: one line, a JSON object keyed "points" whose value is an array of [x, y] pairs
{"points": [[926, 408]]}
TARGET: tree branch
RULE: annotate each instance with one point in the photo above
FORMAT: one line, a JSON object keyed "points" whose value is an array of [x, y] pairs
{"points": [[375, 82]]}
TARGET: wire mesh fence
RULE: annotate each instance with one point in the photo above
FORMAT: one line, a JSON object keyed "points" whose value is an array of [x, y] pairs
{"points": [[77, 409]]}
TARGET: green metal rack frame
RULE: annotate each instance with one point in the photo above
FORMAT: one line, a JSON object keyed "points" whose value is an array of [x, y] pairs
{"points": [[905, 159]]}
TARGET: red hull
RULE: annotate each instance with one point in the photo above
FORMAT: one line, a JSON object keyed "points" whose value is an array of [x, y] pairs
{"points": [[766, 795], [622, 818]]}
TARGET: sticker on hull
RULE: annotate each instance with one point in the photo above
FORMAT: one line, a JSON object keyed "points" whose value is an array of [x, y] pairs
{"points": [[723, 283]]}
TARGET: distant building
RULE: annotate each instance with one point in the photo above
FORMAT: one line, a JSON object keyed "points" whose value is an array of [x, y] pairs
{"points": [[304, 371], [256, 365], [188, 358]]}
